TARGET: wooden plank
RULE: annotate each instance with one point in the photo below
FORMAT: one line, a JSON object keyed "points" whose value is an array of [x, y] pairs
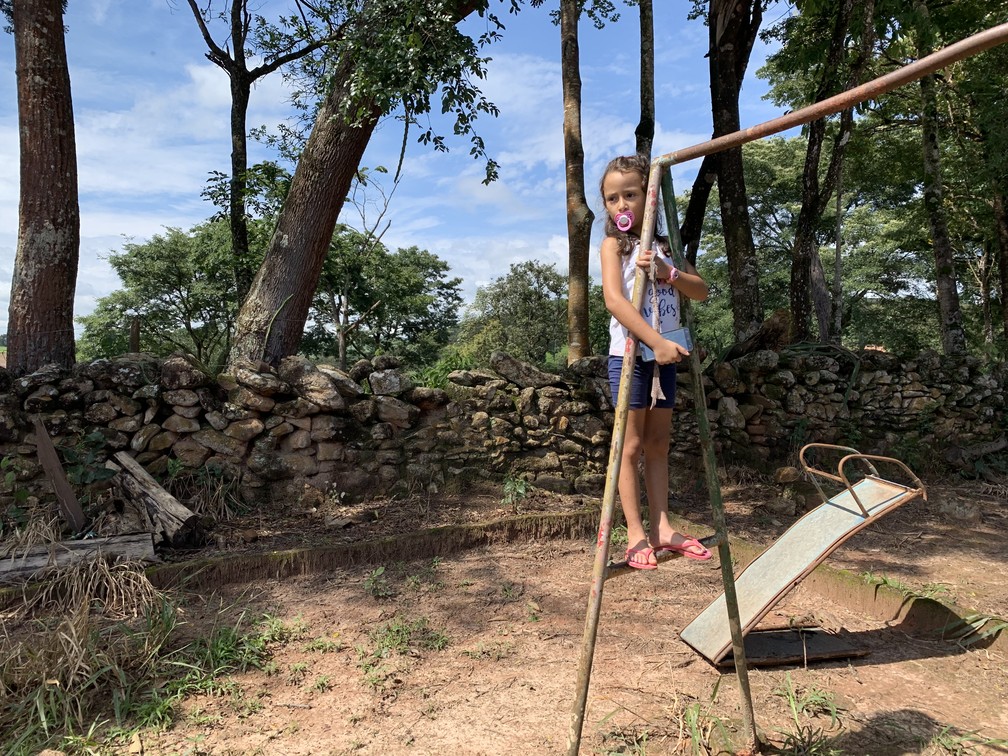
{"points": [[797, 645], [19, 565], [68, 504], [170, 521]]}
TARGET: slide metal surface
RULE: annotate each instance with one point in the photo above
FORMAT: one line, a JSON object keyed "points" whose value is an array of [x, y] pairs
{"points": [[812, 538]]}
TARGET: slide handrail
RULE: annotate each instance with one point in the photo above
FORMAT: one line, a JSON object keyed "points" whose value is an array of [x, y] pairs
{"points": [[841, 476]]}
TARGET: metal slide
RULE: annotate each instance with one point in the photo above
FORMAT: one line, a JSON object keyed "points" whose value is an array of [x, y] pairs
{"points": [[804, 546]]}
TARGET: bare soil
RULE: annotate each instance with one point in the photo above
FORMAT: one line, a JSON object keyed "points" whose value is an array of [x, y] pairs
{"points": [[495, 636]]}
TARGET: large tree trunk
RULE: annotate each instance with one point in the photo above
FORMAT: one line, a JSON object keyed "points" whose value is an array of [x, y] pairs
{"points": [[985, 266], [40, 326], [836, 302], [807, 274], [645, 126], [272, 317], [1001, 224], [733, 25], [692, 225], [950, 314], [237, 218], [579, 215]]}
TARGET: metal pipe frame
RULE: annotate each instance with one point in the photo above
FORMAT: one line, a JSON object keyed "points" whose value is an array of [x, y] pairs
{"points": [[909, 73]]}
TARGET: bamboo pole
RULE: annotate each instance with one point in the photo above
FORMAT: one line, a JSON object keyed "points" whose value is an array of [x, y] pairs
{"points": [[911, 72], [710, 473], [600, 569]]}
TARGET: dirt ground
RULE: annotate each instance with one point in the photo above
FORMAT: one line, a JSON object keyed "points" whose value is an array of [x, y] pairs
{"points": [[489, 640]]}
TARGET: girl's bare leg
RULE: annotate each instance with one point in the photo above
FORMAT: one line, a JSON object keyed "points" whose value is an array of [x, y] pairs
{"points": [[656, 434], [629, 486]]}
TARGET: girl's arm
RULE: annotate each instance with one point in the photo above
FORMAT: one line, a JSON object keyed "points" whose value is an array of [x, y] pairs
{"points": [[629, 316], [689, 283]]}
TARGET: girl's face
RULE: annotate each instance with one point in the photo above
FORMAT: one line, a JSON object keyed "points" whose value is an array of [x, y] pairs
{"points": [[622, 192]]}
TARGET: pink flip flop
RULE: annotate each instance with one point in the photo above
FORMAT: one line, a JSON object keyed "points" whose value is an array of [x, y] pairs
{"points": [[684, 549], [645, 552]]}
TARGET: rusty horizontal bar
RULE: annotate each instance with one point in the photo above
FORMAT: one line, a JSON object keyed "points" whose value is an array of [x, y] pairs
{"points": [[972, 45]]}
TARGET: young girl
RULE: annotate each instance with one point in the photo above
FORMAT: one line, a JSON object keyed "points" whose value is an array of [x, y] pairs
{"points": [[623, 187]]}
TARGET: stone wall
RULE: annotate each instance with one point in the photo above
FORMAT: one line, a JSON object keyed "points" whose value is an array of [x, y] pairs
{"points": [[306, 428]]}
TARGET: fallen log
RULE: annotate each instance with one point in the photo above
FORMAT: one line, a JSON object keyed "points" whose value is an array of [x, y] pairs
{"points": [[19, 565], [169, 520]]}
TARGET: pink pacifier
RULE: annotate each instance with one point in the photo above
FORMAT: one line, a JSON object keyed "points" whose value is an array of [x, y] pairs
{"points": [[624, 221]]}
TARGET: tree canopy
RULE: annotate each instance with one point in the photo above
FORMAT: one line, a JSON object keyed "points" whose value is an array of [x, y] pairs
{"points": [[893, 227]]}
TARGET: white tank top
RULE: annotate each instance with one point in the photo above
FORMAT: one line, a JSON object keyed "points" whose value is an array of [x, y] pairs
{"points": [[668, 306]]}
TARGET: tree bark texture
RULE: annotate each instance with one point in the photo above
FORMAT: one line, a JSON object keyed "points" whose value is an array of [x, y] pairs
{"points": [[40, 327], [241, 89], [836, 303], [808, 281], [692, 225], [733, 25], [946, 284], [1001, 224], [23, 565], [272, 317], [579, 215], [645, 127], [168, 520]]}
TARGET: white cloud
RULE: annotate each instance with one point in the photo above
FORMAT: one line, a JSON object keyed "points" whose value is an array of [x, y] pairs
{"points": [[152, 119]]}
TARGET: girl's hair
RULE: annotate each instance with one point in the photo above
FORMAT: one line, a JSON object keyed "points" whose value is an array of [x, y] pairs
{"points": [[641, 165]]}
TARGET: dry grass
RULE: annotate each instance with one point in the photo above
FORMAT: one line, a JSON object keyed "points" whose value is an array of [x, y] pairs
{"points": [[208, 492], [39, 531], [119, 590], [83, 637]]}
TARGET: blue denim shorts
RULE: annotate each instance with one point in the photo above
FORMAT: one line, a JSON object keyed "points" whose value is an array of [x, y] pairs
{"points": [[640, 388]]}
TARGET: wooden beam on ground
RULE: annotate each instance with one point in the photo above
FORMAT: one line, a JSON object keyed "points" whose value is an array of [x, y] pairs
{"points": [[20, 565], [169, 520]]}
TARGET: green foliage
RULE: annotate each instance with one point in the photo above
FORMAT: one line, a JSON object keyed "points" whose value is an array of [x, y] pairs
{"points": [[181, 287], [933, 591], [266, 187], [393, 57], [515, 489], [84, 461], [598, 320], [885, 254], [398, 636], [436, 375], [523, 314], [15, 515], [400, 303], [888, 261], [974, 627], [951, 740], [377, 584], [806, 739], [324, 645], [209, 491], [810, 703], [84, 681]]}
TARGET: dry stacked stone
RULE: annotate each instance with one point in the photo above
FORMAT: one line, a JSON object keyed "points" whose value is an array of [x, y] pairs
{"points": [[370, 430]]}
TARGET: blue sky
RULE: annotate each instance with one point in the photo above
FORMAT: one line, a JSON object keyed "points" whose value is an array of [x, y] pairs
{"points": [[151, 119]]}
